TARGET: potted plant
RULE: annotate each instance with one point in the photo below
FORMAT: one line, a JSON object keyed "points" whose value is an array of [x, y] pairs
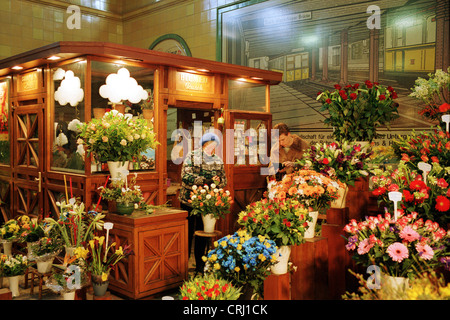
{"points": [[434, 93], [9, 233], [13, 267], [341, 161], [99, 258], [312, 189], [356, 111], [209, 287], [402, 248], [211, 203], [44, 251], [242, 259], [127, 196], [430, 199], [283, 221], [75, 225], [117, 139], [31, 230]]}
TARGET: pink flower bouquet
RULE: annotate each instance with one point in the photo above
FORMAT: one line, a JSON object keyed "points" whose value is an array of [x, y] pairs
{"points": [[400, 248]]}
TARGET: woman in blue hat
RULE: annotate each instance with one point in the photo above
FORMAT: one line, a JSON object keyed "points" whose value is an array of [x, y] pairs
{"points": [[202, 166]]}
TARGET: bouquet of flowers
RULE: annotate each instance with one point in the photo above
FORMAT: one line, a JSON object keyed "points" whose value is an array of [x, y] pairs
{"points": [[121, 191], [46, 247], [117, 137], [10, 230], [404, 247], [430, 200], [426, 286], [209, 287], [11, 266], [283, 221], [356, 111], [242, 259], [72, 278], [433, 93], [312, 189], [432, 146], [344, 161], [75, 225], [210, 200], [98, 258], [31, 229]]}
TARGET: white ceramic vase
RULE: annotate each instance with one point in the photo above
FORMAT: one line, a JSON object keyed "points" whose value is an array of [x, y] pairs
{"points": [[14, 285], [116, 168], [341, 201], [282, 255], [209, 223], [310, 232]]}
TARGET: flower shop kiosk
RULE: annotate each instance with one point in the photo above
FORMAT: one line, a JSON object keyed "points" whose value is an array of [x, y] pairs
{"points": [[48, 91]]}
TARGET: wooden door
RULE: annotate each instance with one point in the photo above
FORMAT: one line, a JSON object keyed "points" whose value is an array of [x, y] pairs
{"points": [[28, 155]]}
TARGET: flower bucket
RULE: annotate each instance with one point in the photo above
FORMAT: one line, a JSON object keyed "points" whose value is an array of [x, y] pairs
{"points": [[282, 255], [341, 200], [124, 209], [45, 266], [100, 288], [7, 247], [69, 295], [395, 283], [209, 223], [310, 232], [116, 168], [14, 285]]}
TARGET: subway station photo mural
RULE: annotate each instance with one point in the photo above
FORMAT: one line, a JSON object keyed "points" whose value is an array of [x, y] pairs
{"points": [[320, 43]]}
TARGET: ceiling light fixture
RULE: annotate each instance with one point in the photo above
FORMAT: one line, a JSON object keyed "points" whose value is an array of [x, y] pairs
{"points": [[52, 58], [17, 68]]}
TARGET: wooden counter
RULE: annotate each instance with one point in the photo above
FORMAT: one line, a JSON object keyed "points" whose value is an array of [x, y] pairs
{"points": [[160, 244]]}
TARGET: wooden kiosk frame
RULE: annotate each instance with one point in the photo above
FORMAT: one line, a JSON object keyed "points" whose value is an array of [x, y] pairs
{"points": [[30, 185]]}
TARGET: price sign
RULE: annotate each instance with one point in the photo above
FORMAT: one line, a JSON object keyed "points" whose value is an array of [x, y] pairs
{"points": [[425, 167], [395, 196], [446, 119]]}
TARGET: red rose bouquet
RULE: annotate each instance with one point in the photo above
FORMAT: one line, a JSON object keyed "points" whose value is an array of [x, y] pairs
{"points": [[356, 111]]}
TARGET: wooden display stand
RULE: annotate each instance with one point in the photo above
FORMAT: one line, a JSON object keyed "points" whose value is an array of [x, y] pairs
{"points": [[40, 276], [277, 287], [337, 255], [310, 281], [160, 260], [5, 294]]}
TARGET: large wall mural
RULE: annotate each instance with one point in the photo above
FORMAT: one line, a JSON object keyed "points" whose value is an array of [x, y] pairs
{"points": [[319, 43]]}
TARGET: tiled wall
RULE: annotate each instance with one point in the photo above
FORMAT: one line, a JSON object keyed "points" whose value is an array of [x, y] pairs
{"points": [[194, 21], [28, 24], [25, 25]]}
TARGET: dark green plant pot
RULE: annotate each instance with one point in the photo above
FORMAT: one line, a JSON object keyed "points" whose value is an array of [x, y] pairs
{"points": [[124, 209]]}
